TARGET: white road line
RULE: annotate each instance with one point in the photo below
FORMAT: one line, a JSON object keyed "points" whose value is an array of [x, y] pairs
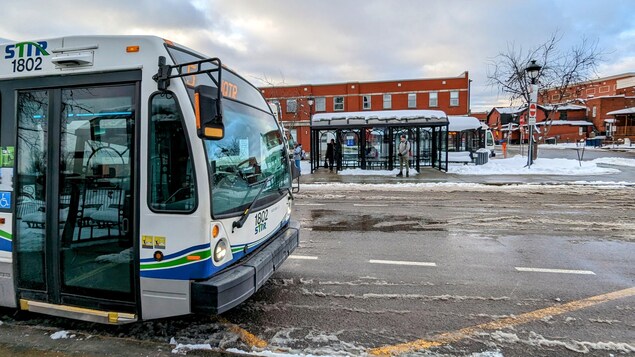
{"points": [[309, 204], [302, 257], [368, 205], [560, 271], [401, 262]]}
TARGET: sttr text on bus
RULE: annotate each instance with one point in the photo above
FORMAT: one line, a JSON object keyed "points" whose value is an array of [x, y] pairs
{"points": [[139, 179]]}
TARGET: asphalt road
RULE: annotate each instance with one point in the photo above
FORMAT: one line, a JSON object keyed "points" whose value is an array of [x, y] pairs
{"points": [[380, 269], [437, 270]]}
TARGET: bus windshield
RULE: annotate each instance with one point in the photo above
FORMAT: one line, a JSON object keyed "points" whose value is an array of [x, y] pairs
{"points": [[251, 154]]}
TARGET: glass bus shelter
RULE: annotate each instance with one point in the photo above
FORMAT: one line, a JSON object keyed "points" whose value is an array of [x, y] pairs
{"points": [[369, 140]]}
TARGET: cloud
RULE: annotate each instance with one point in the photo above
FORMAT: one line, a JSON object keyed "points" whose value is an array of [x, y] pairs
{"points": [[326, 41]]}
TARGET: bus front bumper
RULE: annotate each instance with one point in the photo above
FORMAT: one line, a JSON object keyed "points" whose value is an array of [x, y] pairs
{"points": [[229, 288]]}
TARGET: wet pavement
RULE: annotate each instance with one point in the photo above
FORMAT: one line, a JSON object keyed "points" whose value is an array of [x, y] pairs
{"points": [[388, 267]]}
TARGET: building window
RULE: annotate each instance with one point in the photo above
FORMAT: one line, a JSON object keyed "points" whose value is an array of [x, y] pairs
{"points": [[320, 104], [594, 111], [454, 98], [366, 102], [338, 103], [412, 100], [292, 105], [563, 115], [434, 99], [387, 101]]}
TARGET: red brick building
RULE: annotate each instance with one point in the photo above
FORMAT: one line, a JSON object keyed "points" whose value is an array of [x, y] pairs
{"points": [[600, 96], [451, 95], [569, 123]]}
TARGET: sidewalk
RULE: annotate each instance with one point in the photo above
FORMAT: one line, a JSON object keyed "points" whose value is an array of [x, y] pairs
{"points": [[430, 175]]}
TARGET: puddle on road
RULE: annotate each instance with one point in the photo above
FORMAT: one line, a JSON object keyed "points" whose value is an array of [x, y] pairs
{"points": [[335, 221]]}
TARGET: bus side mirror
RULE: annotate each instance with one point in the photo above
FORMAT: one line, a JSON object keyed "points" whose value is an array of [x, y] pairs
{"points": [[209, 113]]}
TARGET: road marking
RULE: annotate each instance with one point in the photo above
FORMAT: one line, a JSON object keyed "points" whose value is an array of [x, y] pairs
{"points": [[458, 335], [401, 262], [247, 337], [302, 257], [368, 205], [309, 204], [560, 271]]}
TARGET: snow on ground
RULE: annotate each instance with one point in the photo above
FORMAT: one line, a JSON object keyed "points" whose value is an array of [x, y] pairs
{"points": [[183, 349], [580, 146], [617, 161], [542, 166], [510, 166], [360, 172], [535, 339]]}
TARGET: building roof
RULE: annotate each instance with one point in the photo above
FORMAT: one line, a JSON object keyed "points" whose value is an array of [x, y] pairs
{"points": [[563, 107], [566, 122], [380, 118], [458, 123], [510, 110], [622, 111], [462, 75]]}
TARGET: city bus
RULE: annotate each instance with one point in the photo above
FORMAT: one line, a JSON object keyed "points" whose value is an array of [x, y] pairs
{"points": [[139, 180]]}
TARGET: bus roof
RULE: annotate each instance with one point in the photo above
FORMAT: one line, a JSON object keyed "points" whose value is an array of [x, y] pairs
{"points": [[78, 54]]}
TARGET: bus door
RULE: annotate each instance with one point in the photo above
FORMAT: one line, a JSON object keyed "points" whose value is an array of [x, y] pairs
{"points": [[75, 192]]}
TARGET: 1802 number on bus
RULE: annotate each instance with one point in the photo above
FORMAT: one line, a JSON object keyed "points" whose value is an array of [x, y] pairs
{"points": [[28, 64], [261, 221]]}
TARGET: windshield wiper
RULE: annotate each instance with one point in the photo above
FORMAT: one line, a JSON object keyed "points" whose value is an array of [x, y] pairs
{"points": [[240, 221]]}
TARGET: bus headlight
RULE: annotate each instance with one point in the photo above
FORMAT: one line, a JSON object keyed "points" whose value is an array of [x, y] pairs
{"points": [[220, 251]]}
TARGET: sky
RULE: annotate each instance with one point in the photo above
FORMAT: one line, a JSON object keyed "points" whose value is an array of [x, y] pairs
{"points": [[292, 42]]}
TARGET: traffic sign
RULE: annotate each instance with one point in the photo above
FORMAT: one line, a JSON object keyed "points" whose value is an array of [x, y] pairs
{"points": [[532, 111]]}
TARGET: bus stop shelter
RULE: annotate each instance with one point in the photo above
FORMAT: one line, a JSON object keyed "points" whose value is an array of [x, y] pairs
{"points": [[369, 139]]}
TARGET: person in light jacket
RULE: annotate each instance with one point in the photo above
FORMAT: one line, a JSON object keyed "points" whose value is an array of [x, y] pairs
{"points": [[404, 155], [297, 156]]}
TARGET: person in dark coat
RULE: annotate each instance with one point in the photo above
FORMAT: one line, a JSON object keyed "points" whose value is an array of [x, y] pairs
{"points": [[330, 153], [338, 155]]}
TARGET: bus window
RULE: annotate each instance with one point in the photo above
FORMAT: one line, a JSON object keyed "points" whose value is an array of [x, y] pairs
{"points": [[171, 178]]}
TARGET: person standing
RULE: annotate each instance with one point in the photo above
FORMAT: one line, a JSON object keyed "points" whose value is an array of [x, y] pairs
{"points": [[338, 155], [297, 156], [404, 155], [330, 154]]}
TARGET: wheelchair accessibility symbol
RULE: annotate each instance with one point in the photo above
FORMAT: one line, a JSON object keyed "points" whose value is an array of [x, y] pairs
{"points": [[5, 200]]}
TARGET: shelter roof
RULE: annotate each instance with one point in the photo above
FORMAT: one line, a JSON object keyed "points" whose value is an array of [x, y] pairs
{"points": [[380, 118]]}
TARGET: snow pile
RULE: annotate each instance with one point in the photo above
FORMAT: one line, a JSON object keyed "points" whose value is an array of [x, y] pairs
{"points": [[61, 335], [541, 166], [182, 349]]}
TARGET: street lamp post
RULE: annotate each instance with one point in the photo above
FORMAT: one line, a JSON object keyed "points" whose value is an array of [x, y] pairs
{"points": [[310, 102], [533, 71]]}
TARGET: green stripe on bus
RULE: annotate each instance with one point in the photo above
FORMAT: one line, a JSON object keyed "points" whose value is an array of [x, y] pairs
{"points": [[6, 235], [203, 254]]}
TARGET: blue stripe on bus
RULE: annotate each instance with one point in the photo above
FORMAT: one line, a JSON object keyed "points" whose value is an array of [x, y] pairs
{"points": [[5, 245]]}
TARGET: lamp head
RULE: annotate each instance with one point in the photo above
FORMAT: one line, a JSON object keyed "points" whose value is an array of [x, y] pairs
{"points": [[533, 70]]}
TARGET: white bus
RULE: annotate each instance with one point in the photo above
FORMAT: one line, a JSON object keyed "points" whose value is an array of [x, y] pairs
{"points": [[141, 180]]}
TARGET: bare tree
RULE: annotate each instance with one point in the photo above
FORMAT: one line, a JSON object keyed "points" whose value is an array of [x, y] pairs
{"points": [[283, 91], [560, 77]]}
